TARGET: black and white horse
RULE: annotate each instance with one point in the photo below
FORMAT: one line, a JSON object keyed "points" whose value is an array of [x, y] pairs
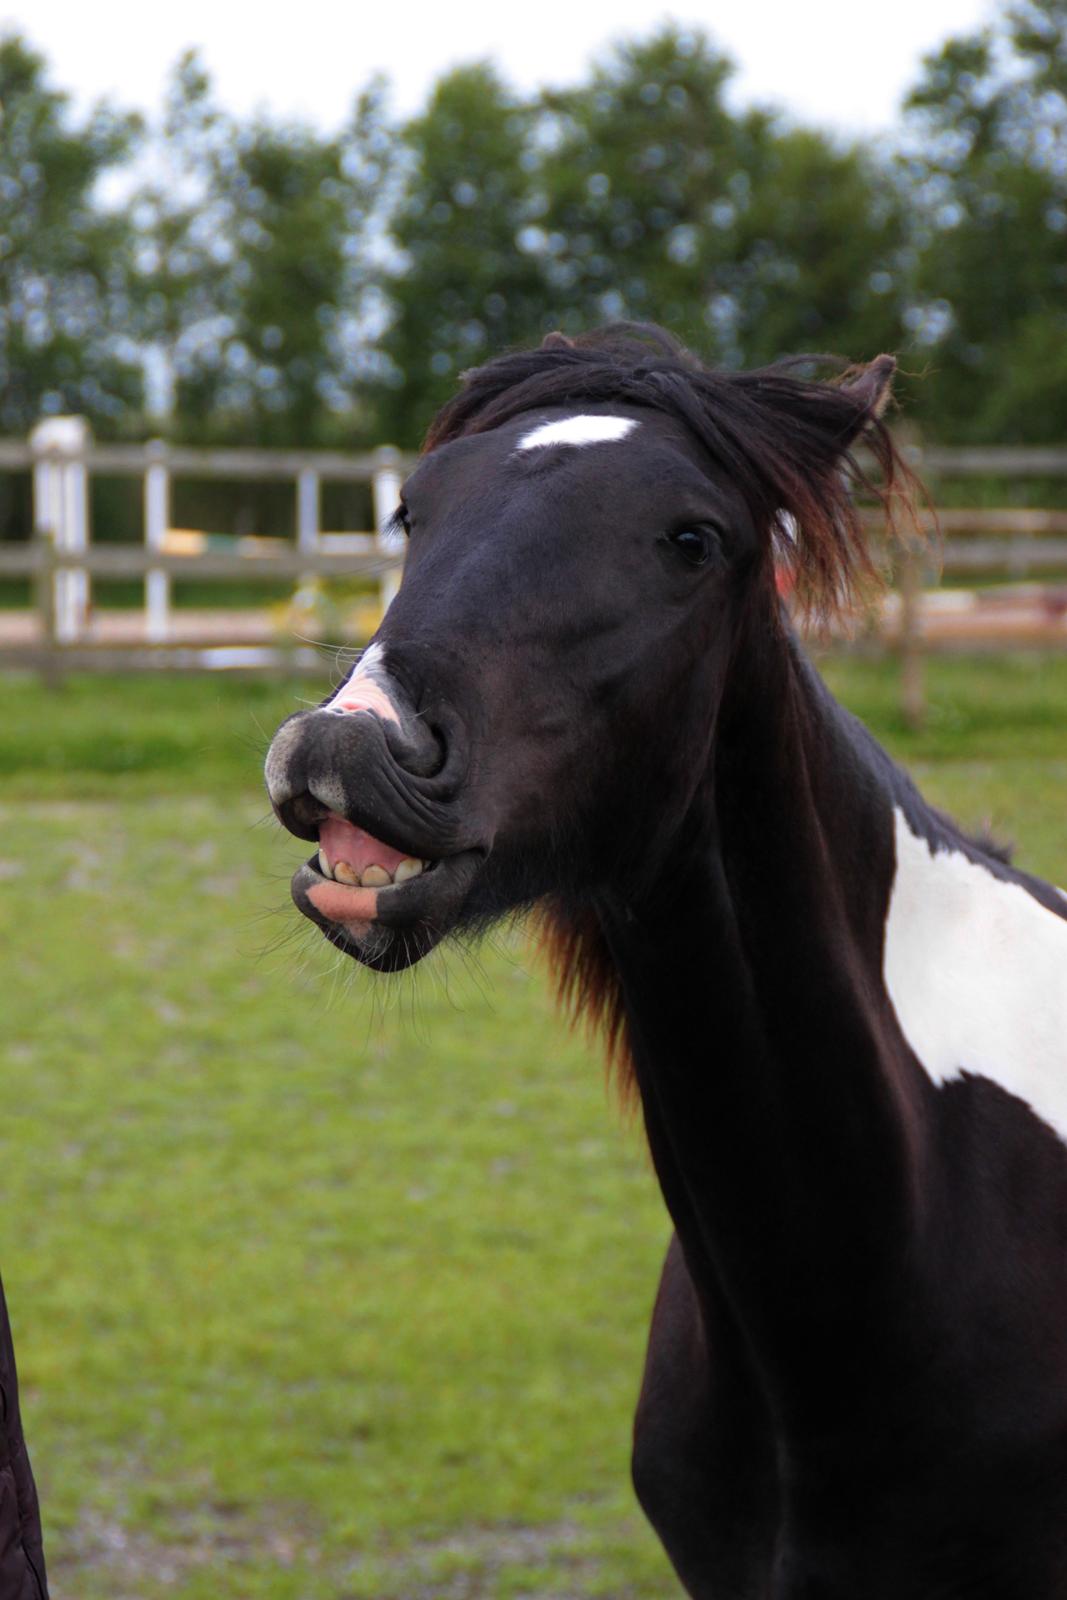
{"points": [[846, 1019]]}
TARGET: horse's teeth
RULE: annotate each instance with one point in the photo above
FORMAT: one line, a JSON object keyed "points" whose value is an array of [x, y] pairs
{"points": [[372, 877]]}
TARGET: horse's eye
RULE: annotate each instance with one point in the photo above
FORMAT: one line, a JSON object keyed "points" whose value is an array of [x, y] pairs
{"points": [[695, 544], [400, 521]]}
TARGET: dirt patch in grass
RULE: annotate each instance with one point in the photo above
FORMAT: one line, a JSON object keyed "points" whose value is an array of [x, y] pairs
{"points": [[131, 1563], [103, 1555]]}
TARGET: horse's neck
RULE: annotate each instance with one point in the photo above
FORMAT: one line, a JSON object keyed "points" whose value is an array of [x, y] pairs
{"points": [[781, 1112]]}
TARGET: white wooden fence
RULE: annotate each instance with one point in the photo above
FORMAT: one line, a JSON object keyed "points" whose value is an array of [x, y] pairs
{"points": [[63, 562], [62, 458]]}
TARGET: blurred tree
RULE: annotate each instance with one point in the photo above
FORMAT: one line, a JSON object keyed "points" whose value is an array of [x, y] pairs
{"points": [[643, 174], [65, 256], [823, 251], [255, 267], [641, 194], [468, 280], [988, 172], [747, 237], [184, 254], [282, 285]]}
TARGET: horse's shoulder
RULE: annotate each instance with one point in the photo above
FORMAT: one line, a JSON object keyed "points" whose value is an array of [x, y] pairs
{"points": [[975, 964]]}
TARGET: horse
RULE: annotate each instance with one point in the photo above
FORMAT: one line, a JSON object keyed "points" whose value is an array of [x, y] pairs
{"points": [[844, 1019]]}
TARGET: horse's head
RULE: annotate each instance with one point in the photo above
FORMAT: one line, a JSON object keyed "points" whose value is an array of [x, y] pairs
{"points": [[589, 528]]}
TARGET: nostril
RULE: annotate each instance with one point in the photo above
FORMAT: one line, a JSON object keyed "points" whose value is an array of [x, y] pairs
{"points": [[302, 813], [420, 748], [438, 736]]}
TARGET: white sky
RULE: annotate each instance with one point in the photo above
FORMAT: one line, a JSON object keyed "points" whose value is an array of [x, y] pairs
{"points": [[838, 63]]}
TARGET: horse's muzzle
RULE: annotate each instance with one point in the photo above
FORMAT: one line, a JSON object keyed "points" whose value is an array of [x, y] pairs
{"points": [[381, 794]]}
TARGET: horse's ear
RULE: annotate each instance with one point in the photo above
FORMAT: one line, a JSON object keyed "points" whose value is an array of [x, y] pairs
{"points": [[871, 387], [556, 341]]}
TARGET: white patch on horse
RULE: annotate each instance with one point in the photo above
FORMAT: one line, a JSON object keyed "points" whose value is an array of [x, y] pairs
{"points": [[276, 766], [370, 663], [366, 689], [578, 431], [976, 969]]}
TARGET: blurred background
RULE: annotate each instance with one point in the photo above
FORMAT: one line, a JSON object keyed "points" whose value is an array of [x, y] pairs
{"points": [[238, 272], [325, 1287]]}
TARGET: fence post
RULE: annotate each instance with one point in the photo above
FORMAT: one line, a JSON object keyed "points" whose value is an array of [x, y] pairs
{"points": [[45, 585], [912, 675], [307, 510], [910, 571], [61, 508], [157, 586], [388, 476]]}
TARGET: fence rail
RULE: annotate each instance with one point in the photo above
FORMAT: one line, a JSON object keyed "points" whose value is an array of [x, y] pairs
{"points": [[52, 656], [63, 459], [944, 461], [988, 461], [133, 561], [63, 563], [131, 460]]}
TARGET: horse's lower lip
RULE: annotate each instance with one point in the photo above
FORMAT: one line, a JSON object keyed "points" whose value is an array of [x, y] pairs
{"points": [[393, 926]]}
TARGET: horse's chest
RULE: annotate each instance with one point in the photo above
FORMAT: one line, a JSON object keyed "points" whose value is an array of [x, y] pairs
{"points": [[976, 969]]}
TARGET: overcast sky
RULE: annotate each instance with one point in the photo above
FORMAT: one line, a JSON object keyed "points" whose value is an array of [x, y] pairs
{"points": [[839, 63]]}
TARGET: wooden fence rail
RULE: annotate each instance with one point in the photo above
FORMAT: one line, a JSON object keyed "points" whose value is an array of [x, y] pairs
{"points": [[62, 561], [1017, 548], [63, 459], [42, 560], [212, 566]]}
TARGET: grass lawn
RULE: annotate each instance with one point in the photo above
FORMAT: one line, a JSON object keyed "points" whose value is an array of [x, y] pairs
{"points": [[326, 1286]]}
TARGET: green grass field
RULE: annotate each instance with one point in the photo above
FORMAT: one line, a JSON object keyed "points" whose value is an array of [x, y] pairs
{"points": [[324, 1287]]}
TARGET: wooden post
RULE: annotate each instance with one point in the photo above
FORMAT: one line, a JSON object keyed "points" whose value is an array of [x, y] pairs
{"points": [[61, 508], [912, 674], [387, 480], [910, 571], [45, 584], [307, 510], [157, 586]]}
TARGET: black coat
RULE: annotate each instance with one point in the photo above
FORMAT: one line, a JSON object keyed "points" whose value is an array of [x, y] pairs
{"points": [[22, 1575]]}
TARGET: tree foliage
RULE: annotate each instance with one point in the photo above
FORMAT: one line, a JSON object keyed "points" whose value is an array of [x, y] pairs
{"points": [[748, 236], [989, 175], [65, 258], [253, 266], [464, 283], [638, 194], [264, 280]]}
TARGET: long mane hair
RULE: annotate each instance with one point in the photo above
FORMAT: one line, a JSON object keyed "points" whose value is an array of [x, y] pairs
{"points": [[787, 442]]}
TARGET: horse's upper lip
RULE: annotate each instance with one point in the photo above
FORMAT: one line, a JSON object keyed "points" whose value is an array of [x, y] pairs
{"points": [[321, 764], [334, 780]]}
